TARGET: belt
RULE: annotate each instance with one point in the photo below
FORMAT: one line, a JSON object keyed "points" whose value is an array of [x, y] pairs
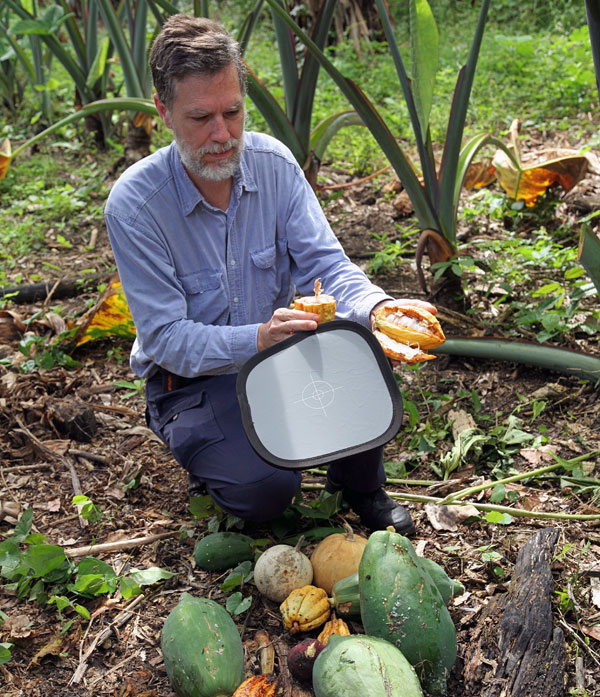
{"points": [[171, 382]]}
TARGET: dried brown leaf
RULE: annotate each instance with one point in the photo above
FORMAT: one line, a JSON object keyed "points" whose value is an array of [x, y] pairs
{"points": [[539, 172], [144, 120], [17, 626], [479, 174], [11, 326], [53, 648], [110, 316], [449, 517], [594, 632]]}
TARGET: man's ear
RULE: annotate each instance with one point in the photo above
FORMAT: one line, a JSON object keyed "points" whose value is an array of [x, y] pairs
{"points": [[162, 111]]}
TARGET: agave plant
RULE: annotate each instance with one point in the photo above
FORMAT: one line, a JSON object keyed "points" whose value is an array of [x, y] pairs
{"points": [[128, 32], [593, 19], [434, 191], [35, 62], [12, 78], [589, 244], [102, 106], [86, 60], [293, 123]]}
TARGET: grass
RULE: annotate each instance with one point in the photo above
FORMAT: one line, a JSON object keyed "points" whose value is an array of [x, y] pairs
{"points": [[45, 200]]}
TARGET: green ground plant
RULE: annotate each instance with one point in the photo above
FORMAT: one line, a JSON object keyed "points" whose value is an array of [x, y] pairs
{"points": [[36, 571]]}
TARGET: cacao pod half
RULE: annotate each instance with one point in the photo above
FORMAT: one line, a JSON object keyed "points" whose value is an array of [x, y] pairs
{"points": [[406, 332]]}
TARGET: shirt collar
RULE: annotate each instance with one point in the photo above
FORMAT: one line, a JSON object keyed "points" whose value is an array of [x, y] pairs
{"points": [[189, 195]]}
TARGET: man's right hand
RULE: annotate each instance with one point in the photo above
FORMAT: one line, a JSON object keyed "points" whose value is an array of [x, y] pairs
{"points": [[284, 323]]}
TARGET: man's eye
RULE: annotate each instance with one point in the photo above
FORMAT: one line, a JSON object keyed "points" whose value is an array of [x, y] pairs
{"points": [[233, 114], [199, 118]]}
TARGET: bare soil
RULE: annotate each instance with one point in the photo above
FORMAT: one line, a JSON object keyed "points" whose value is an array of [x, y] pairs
{"points": [[119, 654]]}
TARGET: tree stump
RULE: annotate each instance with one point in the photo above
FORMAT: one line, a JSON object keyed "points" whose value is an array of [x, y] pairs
{"points": [[515, 650], [73, 420]]}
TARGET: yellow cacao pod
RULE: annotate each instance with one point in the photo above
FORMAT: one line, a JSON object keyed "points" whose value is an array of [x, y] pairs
{"points": [[333, 626], [304, 609], [401, 352], [323, 305], [400, 328], [320, 303]]}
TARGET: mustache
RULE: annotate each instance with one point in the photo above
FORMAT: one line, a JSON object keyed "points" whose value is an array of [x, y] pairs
{"points": [[218, 148]]}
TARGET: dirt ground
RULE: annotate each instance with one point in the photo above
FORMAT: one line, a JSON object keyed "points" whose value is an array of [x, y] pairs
{"points": [[117, 652]]}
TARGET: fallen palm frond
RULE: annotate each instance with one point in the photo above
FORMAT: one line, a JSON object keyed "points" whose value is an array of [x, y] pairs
{"points": [[562, 360]]}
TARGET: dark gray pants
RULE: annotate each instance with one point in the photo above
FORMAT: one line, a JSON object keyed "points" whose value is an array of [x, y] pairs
{"points": [[201, 424]]}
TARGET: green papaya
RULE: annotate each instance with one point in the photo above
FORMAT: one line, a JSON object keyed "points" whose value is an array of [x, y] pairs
{"points": [[448, 587], [345, 596], [222, 550], [400, 602], [363, 665], [202, 649]]}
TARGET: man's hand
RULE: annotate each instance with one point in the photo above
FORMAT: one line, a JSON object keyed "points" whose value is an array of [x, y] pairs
{"points": [[283, 324], [399, 302]]}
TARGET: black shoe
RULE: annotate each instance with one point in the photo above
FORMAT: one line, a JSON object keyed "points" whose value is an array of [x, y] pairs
{"points": [[377, 511], [196, 487]]}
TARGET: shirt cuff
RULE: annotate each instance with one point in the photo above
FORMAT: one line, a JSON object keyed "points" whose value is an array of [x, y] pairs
{"points": [[362, 312], [244, 343]]}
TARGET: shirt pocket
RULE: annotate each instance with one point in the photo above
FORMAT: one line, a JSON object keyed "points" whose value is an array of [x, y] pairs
{"points": [[274, 279], [205, 296]]}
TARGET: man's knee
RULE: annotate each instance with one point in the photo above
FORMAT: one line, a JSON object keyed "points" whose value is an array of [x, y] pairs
{"points": [[259, 501]]}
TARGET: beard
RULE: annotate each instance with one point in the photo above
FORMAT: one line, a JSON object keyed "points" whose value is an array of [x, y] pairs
{"points": [[215, 171]]}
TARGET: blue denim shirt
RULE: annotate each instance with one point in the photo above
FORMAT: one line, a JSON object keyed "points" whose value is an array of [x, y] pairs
{"points": [[199, 281]]}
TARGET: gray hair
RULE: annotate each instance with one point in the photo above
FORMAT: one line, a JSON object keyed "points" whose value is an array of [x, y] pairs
{"points": [[189, 45]]}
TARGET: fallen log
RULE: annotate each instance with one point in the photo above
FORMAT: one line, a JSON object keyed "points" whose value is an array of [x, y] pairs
{"points": [[515, 650], [36, 292]]}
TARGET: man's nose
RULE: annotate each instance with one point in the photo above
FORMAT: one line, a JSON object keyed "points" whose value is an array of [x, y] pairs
{"points": [[220, 132]]}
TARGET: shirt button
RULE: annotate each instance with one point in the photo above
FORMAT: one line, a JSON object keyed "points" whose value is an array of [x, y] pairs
{"points": [[235, 300], [232, 262]]}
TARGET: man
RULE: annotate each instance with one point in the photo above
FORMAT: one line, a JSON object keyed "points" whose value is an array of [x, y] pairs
{"points": [[211, 236]]}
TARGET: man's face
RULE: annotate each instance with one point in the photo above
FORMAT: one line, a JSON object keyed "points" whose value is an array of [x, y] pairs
{"points": [[207, 120]]}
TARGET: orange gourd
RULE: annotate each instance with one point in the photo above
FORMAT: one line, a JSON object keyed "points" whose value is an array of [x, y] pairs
{"points": [[336, 557]]}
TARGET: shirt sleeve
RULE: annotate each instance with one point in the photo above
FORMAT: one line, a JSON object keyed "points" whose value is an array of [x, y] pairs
{"points": [[317, 253], [157, 301]]}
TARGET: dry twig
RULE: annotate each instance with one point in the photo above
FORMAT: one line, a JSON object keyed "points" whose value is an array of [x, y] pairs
{"points": [[119, 545], [123, 617]]}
